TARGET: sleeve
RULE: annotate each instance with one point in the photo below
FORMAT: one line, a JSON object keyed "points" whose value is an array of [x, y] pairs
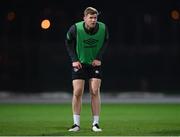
{"points": [[102, 50], [71, 43]]}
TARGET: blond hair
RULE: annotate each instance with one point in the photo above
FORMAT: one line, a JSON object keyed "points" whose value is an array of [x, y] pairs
{"points": [[90, 10]]}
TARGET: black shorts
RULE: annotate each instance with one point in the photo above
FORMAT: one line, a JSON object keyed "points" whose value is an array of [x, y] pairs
{"points": [[86, 72]]}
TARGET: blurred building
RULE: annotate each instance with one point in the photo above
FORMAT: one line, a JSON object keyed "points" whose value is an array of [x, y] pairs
{"points": [[143, 52]]}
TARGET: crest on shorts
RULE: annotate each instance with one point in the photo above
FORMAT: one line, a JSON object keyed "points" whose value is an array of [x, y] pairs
{"points": [[76, 69], [97, 71]]}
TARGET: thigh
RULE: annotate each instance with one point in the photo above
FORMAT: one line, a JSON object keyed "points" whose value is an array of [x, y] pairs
{"points": [[78, 86]]}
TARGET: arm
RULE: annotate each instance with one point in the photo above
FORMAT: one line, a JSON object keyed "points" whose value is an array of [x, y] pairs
{"points": [[102, 50], [71, 46], [97, 61], [71, 43]]}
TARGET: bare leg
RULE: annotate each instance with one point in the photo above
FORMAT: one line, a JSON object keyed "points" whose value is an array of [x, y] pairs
{"points": [[94, 85], [78, 88]]}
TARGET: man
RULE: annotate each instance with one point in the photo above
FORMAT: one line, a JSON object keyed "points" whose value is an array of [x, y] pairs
{"points": [[86, 42]]}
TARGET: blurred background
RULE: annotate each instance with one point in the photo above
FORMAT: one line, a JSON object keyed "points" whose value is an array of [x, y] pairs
{"points": [[142, 56]]}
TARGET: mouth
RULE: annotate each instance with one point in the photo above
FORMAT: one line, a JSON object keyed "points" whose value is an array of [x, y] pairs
{"points": [[93, 24]]}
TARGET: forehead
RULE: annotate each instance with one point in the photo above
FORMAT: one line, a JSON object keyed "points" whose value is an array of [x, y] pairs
{"points": [[91, 15]]}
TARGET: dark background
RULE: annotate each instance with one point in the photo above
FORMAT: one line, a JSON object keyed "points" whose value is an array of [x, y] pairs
{"points": [[143, 52]]}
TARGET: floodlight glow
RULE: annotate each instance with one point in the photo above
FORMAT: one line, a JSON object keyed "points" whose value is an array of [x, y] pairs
{"points": [[45, 24]]}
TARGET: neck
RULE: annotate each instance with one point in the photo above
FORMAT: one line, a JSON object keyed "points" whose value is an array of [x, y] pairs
{"points": [[87, 27]]}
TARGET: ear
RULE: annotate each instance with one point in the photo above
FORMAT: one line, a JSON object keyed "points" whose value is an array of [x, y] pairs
{"points": [[84, 18]]}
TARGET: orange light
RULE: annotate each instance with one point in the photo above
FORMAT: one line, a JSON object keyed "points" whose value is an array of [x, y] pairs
{"points": [[11, 16], [45, 24], [175, 15]]}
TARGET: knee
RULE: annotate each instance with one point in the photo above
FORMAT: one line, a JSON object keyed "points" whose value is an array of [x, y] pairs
{"points": [[94, 92], [78, 92]]}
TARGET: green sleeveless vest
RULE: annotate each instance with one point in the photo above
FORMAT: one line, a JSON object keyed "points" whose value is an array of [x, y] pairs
{"points": [[88, 46]]}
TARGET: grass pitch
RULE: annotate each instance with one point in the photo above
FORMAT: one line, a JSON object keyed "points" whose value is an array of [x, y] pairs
{"points": [[115, 120]]}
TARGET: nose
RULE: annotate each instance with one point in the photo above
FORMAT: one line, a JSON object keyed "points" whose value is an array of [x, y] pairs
{"points": [[93, 19]]}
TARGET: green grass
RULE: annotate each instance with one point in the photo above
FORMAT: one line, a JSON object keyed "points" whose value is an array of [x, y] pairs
{"points": [[115, 120]]}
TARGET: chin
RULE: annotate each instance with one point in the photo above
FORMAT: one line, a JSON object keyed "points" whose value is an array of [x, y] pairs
{"points": [[93, 26]]}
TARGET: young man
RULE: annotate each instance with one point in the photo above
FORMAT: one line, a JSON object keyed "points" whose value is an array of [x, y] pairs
{"points": [[86, 42]]}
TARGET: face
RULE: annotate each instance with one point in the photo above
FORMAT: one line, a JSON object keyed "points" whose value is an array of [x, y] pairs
{"points": [[90, 20]]}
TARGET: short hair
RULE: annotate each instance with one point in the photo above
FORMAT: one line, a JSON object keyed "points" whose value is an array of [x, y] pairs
{"points": [[90, 10]]}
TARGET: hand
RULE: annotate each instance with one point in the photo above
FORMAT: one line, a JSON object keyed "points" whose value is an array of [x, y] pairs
{"points": [[77, 65], [96, 63]]}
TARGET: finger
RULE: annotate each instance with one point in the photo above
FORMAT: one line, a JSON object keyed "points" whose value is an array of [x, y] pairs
{"points": [[92, 64], [80, 66]]}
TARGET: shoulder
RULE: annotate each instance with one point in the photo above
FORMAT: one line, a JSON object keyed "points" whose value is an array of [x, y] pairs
{"points": [[101, 24], [79, 23], [105, 27], [72, 28], [71, 34]]}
